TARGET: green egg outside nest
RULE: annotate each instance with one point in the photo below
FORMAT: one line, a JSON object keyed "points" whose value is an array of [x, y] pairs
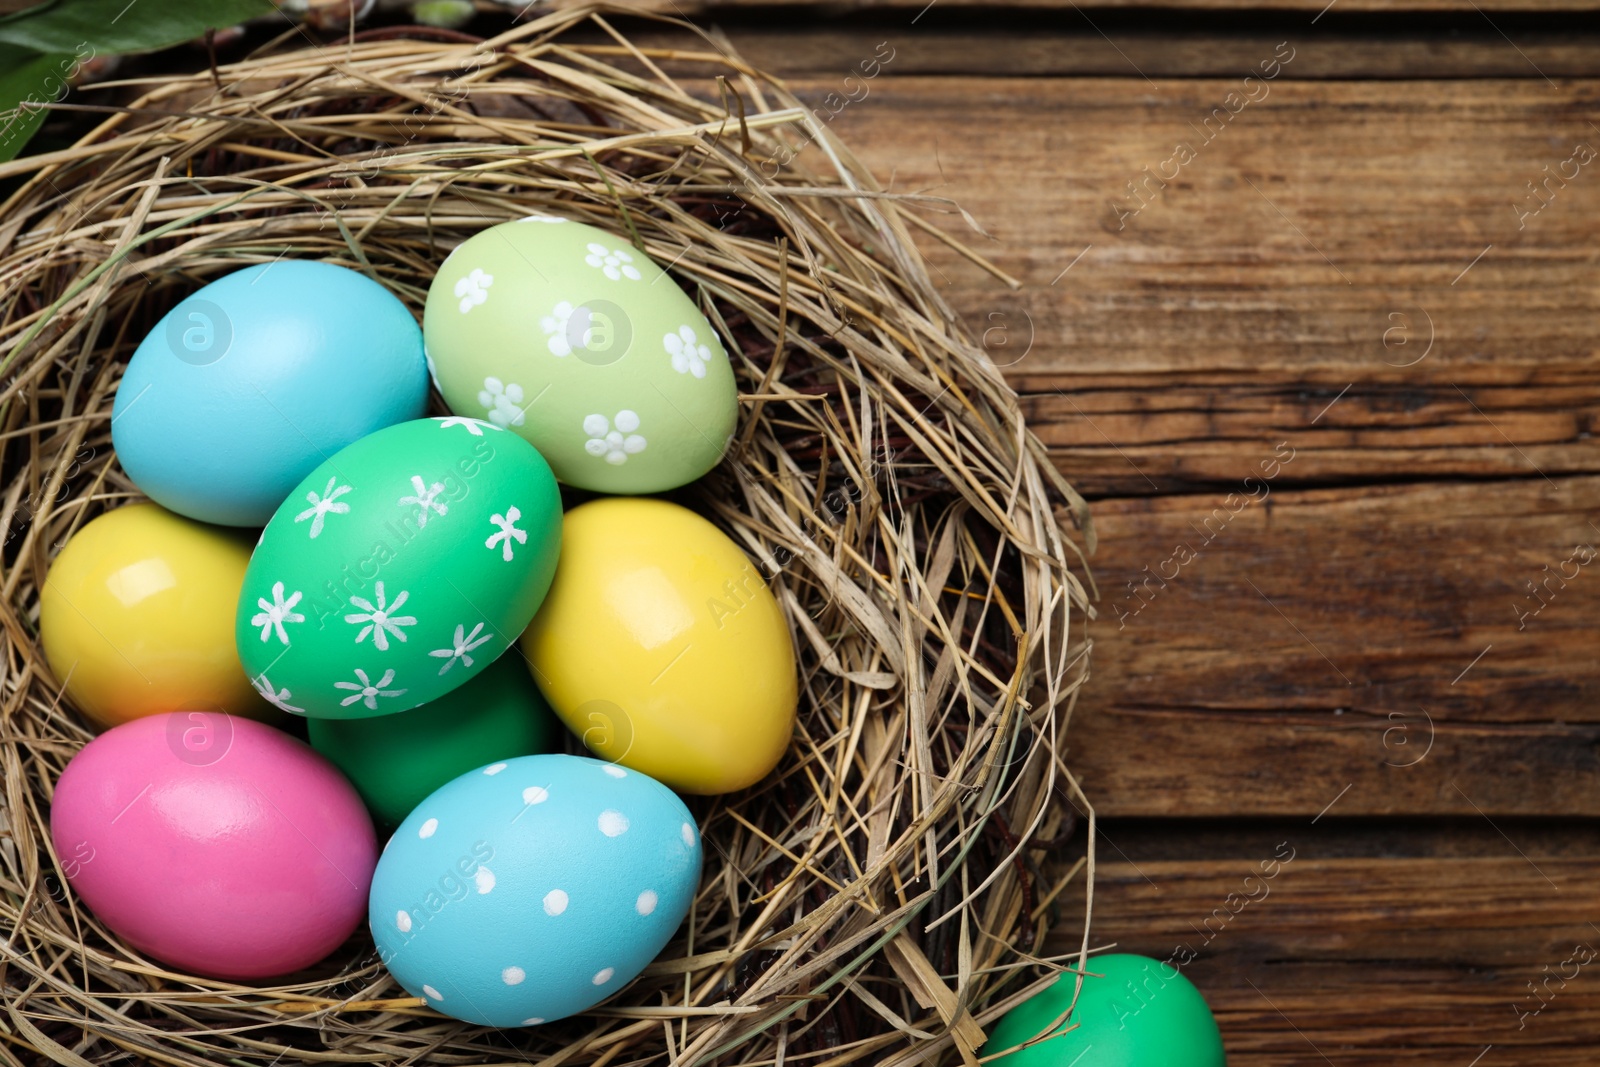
{"points": [[1133, 1012], [395, 761]]}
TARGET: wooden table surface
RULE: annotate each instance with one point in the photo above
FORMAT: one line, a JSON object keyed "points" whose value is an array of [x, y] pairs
{"points": [[1329, 380]]}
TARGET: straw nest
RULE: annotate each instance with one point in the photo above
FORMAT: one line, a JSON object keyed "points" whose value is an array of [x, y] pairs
{"points": [[883, 895]]}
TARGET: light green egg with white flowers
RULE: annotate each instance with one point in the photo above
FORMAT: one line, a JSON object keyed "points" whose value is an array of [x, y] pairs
{"points": [[575, 339]]}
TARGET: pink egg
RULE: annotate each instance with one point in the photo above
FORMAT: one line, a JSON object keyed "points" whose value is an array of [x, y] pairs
{"points": [[214, 843]]}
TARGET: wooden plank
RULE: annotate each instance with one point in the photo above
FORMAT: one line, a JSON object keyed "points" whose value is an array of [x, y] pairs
{"points": [[1176, 434], [1326, 644], [1319, 242], [1338, 837], [1371, 961], [1315, 7], [980, 44]]}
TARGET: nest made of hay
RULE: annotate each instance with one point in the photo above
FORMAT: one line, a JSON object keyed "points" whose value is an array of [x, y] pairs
{"points": [[879, 897]]}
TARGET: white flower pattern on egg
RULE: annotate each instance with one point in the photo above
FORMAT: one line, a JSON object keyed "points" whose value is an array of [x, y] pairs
{"points": [[503, 402], [433, 371], [368, 691], [614, 440], [324, 504], [273, 615], [507, 531], [278, 698], [473, 289], [473, 426], [689, 356], [425, 499], [541, 218], [461, 648], [555, 326], [380, 619], [614, 263]]}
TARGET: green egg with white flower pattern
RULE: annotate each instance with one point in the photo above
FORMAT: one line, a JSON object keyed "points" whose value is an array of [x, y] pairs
{"points": [[398, 569], [576, 340]]}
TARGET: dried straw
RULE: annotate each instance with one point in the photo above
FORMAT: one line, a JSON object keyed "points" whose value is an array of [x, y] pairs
{"points": [[876, 899]]}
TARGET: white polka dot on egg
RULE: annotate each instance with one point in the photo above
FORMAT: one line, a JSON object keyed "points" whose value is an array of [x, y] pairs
{"points": [[433, 994], [555, 902], [494, 768], [403, 921], [485, 879], [535, 1021], [604, 975], [688, 835], [613, 823], [535, 794], [614, 771], [646, 902], [426, 829], [513, 975]]}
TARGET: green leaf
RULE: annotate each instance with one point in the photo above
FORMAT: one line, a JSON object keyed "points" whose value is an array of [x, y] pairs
{"points": [[101, 27], [26, 76]]}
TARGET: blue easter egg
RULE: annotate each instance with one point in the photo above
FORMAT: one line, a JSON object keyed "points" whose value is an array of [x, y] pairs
{"points": [[530, 890], [252, 381]]}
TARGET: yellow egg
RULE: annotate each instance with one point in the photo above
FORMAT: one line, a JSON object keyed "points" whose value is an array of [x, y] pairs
{"points": [[662, 647], [137, 617]]}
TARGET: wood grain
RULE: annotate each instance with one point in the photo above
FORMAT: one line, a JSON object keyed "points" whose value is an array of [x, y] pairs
{"points": [[1317, 243], [989, 43], [1370, 961], [1386, 7], [1180, 436], [1313, 634], [1322, 639]]}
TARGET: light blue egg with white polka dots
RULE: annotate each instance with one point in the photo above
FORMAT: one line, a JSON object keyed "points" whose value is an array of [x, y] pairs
{"points": [[533, 889]]}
